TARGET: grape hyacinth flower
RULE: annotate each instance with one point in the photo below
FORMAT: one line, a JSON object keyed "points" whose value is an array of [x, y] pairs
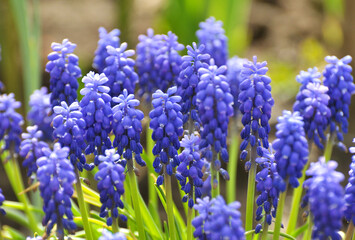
{"points": [[69, 128], [217, 220], [106, 235], [255, 105], [312, 103], [166, 122], [31, 148], [312, 75], [291, 148], [64, 73], [10, 122], [188, 80], [120, 70], [56, 178], [40, 112], [189, 172], [34, 238], [2, 199], [338, 79], [96, 109], [326, 199], [106, 39], [111, 178], [127, 128], [212, 35], [350, 190]]}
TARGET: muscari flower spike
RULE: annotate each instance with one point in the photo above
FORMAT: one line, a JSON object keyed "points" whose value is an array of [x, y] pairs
{"points": [[69, 128], [10, 122], [106, 39], [212, 35], [120, 70], [188, 79], [291, 148], [217, 220], [106, 235], [166, 122], [96, 109], [255, 105], [189, 172], [111, 178], [326, 199], [2, 199], [31, 148], [64, 73], [56, 178], [40, 112], [127, 128], [350, 190], [338, 79]]}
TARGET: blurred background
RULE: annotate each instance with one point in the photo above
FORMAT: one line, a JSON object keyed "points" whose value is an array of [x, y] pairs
{"points": [[291, 35]]}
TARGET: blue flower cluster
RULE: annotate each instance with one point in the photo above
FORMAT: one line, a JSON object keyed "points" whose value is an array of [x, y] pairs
{"points": [[97, 112], [111, 178], [350, 190], [291, 147], [31, 148], [217, 220], [69, 128], [2, 199], [267, 183], [255, 105], [56, 177], [166, 122], [106, 235], [338, 79], [127, 127], [312, 75], [106, 39], [189, 172], [189, 77], [212, 35], [120, 70], [326, 199], [64, 73], [312, 103], [40, 112], [10, 122]]}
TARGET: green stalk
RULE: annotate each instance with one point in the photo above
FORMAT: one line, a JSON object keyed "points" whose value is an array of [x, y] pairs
{"points": [[350, 232], [232, 168], [82, 207], [329, 147], [265, 231], [114, 223], [190, 216], [214, 176], [134, 195], [249, 215], [279, 213], [308, 234], [169, 206]]}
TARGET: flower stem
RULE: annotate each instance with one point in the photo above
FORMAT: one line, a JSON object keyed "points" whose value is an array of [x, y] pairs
{"points": [[214, 176], [249, 216], [350, 232], [279, 214], [329, 147], [190, 216], [265, 231], [232, 168], [169, 206], [308, 234], [134, 195], [114, 223], [82, 207]]}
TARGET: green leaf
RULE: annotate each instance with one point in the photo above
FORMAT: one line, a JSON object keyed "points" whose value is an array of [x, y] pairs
{"points": [[11, 233]]}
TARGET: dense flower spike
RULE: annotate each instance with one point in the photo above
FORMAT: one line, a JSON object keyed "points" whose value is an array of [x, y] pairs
{"points": [[2, 199], [189, 78], [312, 75], [31, 148], [214, 103], [326, 199], [235, 66], [338, 79], [56, 178], [255, 105], [350, 190], [217, 220], [10, 122], [69, 128], [166, 122], [106, 235], [267, 184], [64, 73], [106, 39], [39, 114], [291, 147], [97, 113], [127, 127], [212, 35], [111, 177], [189, 172], [120, 70], [312, 103]]}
